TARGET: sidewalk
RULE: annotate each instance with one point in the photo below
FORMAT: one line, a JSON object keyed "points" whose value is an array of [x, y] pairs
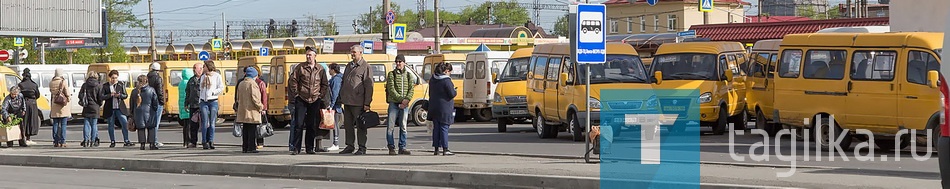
{"points": [[422, 168]]}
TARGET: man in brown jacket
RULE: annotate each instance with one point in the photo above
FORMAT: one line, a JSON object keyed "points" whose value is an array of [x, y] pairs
{"points": [[308, 86], [356, 94]]}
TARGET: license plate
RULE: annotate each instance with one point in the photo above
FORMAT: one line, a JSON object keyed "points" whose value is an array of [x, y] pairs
{"points": [[519, 112]]}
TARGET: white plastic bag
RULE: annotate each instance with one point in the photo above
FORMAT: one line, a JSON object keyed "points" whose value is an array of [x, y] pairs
{"points": [[237, 130], [429, 127]]}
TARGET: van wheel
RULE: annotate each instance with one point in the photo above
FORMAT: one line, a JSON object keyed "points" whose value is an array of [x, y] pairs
{"points": [[577, 132], [503, 124], [763, 123], [545, 130], [419, 115], [722, 122], [934, 135], [461, 117], [823, 137], [887, 144], [740, 121], [482, 115]]}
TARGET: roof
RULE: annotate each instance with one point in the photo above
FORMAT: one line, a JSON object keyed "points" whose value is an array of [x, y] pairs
{"points": [[700, 47], [767, 45], [750, 32], [522, 53], [506, 32], [927, 40], [616, 2], [750, 19]]}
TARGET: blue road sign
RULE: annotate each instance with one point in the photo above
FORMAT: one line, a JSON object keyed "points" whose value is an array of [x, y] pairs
{"points": [[399, 33], [591, 46], [390, 17], [688, 33], [204, 55], [706, 5], [367, 46], [265, 51], [18, 42], [652, 2]]}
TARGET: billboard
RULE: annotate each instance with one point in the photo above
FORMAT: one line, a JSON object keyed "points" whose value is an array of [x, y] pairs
{"points": [[51, 18]]}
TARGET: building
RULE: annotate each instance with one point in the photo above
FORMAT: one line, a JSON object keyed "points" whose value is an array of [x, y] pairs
{"points": [[766, 18], [873, 10], [638, 17], [919, 15], [792, 7], [463, 31]]}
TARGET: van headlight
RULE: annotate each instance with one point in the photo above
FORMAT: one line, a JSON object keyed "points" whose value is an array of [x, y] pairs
{"points": [[593, 103], [652, 103], [705, 97], [497, 98]]}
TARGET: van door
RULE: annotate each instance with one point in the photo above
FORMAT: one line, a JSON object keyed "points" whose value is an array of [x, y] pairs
{"points": [[872, 91], [758, 80], [768, 99], [738, 89], [226, 99], [916, 101], [569, 94], [551, 88], [468, 81]]}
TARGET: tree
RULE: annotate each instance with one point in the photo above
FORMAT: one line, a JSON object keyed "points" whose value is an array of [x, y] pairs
{"points": [[811, 11], [321, 27], [562, 26], [374, 21], [508, 13]]}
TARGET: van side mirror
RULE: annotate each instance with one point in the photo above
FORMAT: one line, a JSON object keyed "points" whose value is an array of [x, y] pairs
{"points": [[658, 77], [932, 78], [729, 75], [563, 79], [494, 77]]}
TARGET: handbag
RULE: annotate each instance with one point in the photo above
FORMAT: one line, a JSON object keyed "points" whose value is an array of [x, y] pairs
{"points": [[237, 130], [60, 98], [328, 122], [265, 130], [131, 126], [368, 119]]}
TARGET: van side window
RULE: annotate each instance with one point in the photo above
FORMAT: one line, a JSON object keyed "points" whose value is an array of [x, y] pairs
{"points": [[11, 80], [770, 72], [469, 70], [873, 65], [540, 65], [479, 70], [265, 73], [427, 72], [825, 64], [569, 68], [723, 66], [279, 74], [174, 77], [553, 67], [379, 73], [79, 79], [759, 62], [790, 67], [918, 64]]}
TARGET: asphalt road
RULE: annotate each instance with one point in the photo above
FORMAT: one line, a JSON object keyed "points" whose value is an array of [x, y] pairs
{"points": [[56, 178], [522, 139]]}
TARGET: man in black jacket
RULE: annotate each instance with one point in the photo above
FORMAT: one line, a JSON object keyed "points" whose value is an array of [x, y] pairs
{"points": [[191, 103], [156, 82], [114, 108]]}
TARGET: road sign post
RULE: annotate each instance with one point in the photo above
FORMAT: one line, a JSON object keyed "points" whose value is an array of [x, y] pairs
{"points": [[204, 55], [706, 5], [588, 47], [265, 51]]}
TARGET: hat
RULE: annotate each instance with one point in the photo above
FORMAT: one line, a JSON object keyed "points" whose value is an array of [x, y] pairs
{"points": [[26, 72], [310, 48], [250, 72], [401, 58], [155, 66]]}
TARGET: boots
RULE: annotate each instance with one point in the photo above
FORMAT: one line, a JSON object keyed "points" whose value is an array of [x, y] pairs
{"points": [[142, 147], [152, 147]]}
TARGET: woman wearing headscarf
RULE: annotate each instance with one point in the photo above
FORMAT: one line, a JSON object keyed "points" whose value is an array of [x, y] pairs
{"points": [[14, 107], [145, 104], [91, 101], [441, 107], [249, 109], [30, 91], [60, 113]]}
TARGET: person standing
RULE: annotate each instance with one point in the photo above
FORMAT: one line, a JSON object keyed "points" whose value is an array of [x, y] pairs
{"points": [[60, 113], [183, 114], [356, 94], [399, 91], [336, 79], [211, 87], [144, 103], [191, 105], [308, 84], [114, 108], [263, 89], [91, 101], [31, 119], [441, 107], [249, 109], [13, 107], [156, 81]]}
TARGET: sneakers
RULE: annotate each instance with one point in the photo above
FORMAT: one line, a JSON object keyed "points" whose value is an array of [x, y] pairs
{"points": [[260, 147], [159, 144], [333, 148], [30, 142], [404, 152]]}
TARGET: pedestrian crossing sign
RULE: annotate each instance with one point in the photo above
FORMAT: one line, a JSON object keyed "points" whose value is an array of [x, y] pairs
{"points": [[706, 5], [399, 33], [217, 44], [18, 42]]}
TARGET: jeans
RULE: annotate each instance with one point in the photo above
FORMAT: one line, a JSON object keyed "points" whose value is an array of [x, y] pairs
{"points": [[90, 129], [397, 117], [59, 130], [338, 118], [123, 123], [440, 135], [158, 118], [308, 117], [209, 115], [293, 128]]}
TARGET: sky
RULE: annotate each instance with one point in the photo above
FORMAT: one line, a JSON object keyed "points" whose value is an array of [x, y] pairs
{"points": [[192, 14]]}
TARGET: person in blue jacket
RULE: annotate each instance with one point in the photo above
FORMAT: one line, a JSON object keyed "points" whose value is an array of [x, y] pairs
{"points": [[441, 107]]}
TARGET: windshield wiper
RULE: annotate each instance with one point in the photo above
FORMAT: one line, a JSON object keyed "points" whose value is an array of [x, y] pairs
{"points": [[694, 75]]}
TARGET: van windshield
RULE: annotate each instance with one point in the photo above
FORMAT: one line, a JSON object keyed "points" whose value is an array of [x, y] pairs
{"points": [[617, 69], [686, 66], [517, 70]]}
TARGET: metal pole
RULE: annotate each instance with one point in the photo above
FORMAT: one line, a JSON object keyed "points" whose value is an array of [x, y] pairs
{"points": [[438, 29], [42, 53], [151, 31], [386, 38], [760, 11]]}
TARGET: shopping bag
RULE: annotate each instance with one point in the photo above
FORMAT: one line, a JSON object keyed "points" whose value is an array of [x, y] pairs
{"points": [[328, 122], [237, 130], [265, 129]]}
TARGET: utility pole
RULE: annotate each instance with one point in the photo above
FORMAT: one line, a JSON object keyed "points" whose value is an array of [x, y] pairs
{"points": [[848, 10], [438, 29], [760, 11], [151, 31], [386, 38]]}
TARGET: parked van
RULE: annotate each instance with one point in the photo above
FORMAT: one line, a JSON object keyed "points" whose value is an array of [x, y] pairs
{"points": [[416, 63], [281, 66], [480, 67], [75, 75], [457, 61], [713, 69], [12, 78], [557, 91], [761, 84], [509, 102], [883, 83]]}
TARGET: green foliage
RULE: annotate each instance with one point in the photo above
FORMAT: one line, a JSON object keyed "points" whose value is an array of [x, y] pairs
{"points": [[508, 13], [562, 26], [811, 11], [14, 122]]}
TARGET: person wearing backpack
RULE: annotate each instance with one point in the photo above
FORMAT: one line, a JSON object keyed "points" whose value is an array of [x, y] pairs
{"points": [[59, 112], [91, 101], [399, 87]]}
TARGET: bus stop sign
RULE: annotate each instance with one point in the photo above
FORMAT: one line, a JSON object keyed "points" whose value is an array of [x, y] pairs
{"points": [[591, 46]]}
